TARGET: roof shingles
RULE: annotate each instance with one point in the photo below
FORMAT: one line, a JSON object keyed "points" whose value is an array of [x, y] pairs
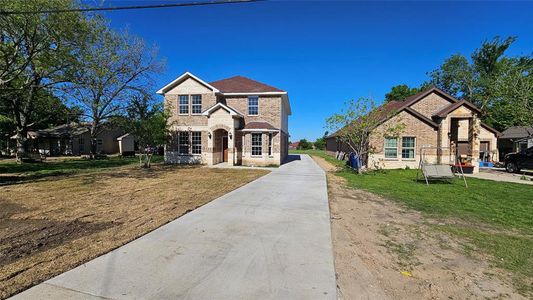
{"points": [[240, 84], [256, 125]]}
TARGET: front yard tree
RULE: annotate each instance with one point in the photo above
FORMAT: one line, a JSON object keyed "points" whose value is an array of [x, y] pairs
{"points": [[356, 122], [116, 68], [37, 53], [147, 121]]}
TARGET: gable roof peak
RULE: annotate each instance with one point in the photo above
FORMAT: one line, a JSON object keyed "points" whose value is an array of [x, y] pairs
{"points": [[182, 78]]}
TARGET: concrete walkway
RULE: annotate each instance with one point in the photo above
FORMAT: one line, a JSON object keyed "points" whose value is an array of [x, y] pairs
{"points": [[502, 175], [270, 239]]}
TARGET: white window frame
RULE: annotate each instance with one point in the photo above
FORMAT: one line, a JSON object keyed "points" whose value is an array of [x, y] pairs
{"points": [[182, 145], [198, 106], [196, 142], [256, 105], [409, 148], [183, 105], [385, 148], [257, 146]]}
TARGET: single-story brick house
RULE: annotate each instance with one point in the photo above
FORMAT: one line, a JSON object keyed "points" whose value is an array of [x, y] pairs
{"points": [[432, 118], [238, 121]]}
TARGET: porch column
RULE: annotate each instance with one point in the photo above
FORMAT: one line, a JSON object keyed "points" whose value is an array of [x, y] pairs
{"points": [[231, 147], [209, 154]]}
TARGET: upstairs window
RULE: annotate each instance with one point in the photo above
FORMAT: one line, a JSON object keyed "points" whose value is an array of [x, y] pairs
{"points": [[257, 144], [391, 148], [196, 142], [196, 104], [183, 105], [408, 147], [270, 143], [183, 142], [253, 106]]}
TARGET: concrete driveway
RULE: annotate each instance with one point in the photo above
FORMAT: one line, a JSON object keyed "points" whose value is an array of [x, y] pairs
{"points": [[269, 239]]}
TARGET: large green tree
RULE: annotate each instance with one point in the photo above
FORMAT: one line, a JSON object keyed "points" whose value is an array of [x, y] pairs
{"points": [[115, 68], [501, 86], [146, 119], [38, 52], [400, 92]]}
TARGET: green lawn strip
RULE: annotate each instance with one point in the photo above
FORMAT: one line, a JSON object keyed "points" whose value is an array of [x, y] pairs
{"points": [[496, 217], [69, 166], [511, 252], [324, 155], [503, 205]]}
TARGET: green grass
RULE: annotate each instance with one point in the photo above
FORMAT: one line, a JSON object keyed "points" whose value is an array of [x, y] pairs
{"points": [[322, 154], [68, 166], [496, 217], [501, 204], [511, 252]]}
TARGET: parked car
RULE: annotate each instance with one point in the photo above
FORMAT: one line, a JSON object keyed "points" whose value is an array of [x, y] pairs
{"points": [[516, 161]]}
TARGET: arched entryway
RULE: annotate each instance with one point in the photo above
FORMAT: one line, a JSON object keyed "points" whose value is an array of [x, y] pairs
{"points": [[220, 146]]}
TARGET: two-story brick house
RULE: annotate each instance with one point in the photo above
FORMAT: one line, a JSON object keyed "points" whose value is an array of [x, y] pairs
{"points": [[235, 120]]}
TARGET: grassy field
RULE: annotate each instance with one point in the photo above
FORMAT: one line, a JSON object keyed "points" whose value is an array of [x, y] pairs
{"points": [[53, 224], [496, 217]]}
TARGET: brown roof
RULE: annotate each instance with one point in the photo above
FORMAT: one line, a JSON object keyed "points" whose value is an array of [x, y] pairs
{"points": [[259, 125], [240, 84], [517, 132], [394, 107]]}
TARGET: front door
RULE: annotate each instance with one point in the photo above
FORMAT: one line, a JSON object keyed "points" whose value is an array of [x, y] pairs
{"points": [[224, 148]]}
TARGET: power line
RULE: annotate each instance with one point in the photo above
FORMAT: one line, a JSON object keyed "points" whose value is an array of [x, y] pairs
{"points": [[197, 3]]}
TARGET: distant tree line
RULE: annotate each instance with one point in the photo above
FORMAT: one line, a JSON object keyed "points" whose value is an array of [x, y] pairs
{"points": [[500, 85], [61, 67]]}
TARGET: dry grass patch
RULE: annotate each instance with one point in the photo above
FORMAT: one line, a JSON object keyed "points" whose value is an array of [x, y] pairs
{"points": [[50, 226]]}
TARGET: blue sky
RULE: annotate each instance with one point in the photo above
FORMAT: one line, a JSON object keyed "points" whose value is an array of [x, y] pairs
{"points": [[323, 53]]}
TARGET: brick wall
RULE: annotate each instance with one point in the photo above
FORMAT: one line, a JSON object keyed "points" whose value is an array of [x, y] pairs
{"points": [[269, 109], [414, 127], [430, 105]]}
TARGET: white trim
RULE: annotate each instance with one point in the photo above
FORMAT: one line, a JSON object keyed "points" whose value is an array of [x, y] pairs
{"points": [[122, 136], [254, 94], [231, 111], [165, 89]]}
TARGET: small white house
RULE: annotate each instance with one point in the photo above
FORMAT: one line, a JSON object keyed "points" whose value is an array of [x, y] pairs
{"points": [[126, 144]]}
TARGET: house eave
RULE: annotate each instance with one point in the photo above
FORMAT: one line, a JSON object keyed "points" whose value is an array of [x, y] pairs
{"points": [[172, 84]]}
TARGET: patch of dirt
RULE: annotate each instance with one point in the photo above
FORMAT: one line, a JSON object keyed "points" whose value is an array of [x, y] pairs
{"points": [[385, 251], [50, 226]]}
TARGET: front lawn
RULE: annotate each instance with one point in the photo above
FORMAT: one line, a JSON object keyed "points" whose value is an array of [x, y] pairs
{"points": [[12, 171], [55, 224], [496, 217]]}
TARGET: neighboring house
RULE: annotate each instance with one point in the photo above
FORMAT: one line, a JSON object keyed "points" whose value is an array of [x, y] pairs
{"points": [[431, 118], [235, 120], [126, 144], [294, 146], [72, 139], [515, 139]]}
